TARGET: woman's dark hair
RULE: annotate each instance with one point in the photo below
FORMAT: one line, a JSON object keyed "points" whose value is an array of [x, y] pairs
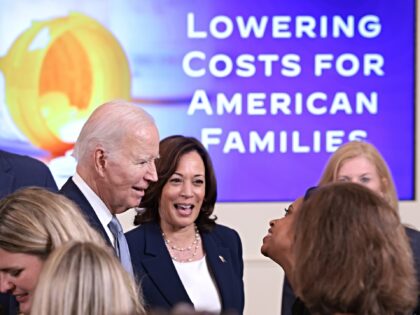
{"points": [[355, 240], [171, 150]]}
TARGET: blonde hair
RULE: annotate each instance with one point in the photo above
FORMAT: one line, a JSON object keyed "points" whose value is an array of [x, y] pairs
{"points": [[83, 278], [35, 221], [354, 239], [354, 149]]}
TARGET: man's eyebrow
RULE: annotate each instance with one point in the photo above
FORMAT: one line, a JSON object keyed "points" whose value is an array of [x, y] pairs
{"points": [[148, 157]]}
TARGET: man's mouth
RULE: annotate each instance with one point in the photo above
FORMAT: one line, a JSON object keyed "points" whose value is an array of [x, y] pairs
{"points": [[139, 189]]}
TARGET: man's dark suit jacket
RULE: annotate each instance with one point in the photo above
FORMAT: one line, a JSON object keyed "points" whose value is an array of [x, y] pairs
{"points": [[289, 298], [71, 191], [162, 287], [18, 171]]}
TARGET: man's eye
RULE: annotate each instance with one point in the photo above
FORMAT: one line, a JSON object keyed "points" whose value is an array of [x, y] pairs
{"points": [[365, 180], [145, 162]]}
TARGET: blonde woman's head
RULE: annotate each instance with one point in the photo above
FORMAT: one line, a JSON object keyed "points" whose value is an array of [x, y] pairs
{"points": [[83, 278], [361, 162], [33, 222]]}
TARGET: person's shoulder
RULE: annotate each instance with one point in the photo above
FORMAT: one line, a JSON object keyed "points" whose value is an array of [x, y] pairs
{"points": [[413, 234], [139, 231], [23, 161], [219, 228], [224, 233], [414, 238], [27, 171]]}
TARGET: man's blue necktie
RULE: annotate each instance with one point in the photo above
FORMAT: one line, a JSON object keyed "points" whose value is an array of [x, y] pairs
{"points": [[121, 247]]}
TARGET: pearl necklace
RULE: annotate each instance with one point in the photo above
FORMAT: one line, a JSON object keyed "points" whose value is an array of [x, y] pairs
{"points": [[193, 247]]}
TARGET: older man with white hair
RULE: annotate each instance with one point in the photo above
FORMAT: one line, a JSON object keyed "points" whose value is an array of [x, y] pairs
{"points": [[116, 152]]}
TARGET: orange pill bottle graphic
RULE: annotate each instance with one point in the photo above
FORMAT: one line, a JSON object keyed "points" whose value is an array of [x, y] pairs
{"points": [[57, 72]]}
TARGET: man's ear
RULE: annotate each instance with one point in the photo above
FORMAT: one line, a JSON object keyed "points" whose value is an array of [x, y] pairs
{"points": [[100, 161]]}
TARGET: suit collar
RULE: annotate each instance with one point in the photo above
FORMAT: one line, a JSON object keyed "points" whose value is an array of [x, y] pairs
{"points": [[71, 191], [220, 262], [158, 264], [102, 212]]}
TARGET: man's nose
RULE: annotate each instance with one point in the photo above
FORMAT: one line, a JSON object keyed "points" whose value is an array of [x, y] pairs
{"points": [[151, 174]]}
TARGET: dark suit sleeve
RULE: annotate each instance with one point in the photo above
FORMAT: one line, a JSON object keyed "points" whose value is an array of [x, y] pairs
{"points": [[25, 171], [49, 181], [240, 266], [237, 249], [238, 263], [414, 238], [45, 178]]}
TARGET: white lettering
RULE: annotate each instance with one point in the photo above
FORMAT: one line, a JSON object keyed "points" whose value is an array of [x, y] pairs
{"points": [[191, 32], [256, 104], [280, 103], [252, 26], [283, 141], [286, 26], [200, 101], [186, 64], [234, 142], [223, 21], [226, 106], [207, 136], [348, 65], [305, 24], [264, 144]]}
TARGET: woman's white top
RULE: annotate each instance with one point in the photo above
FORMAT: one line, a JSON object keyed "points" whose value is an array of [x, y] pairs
{"points": [[200, 285]]}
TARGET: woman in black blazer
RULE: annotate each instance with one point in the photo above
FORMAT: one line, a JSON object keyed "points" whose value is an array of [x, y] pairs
{"points": [[179, 253]]}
